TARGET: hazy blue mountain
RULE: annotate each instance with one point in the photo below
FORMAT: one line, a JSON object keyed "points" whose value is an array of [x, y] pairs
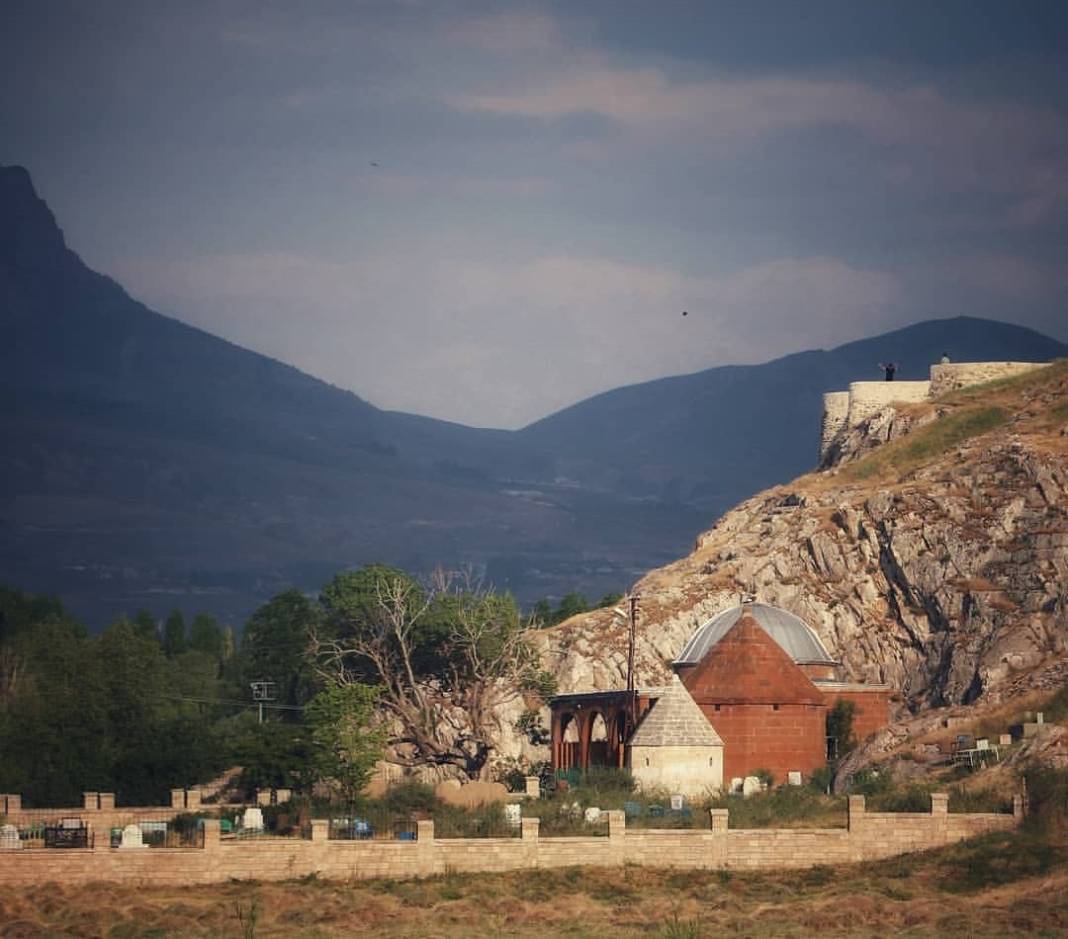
{"points": [[714, 437], [148, 463]]}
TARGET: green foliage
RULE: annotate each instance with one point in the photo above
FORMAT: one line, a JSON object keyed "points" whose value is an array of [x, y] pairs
{"points": [[174, 639], [275, 646], [766, 777], [821, 778], [530, 725], [410, 796], [346, 744], [785, 806], [999, 858], [840, 726], [205, 635]]}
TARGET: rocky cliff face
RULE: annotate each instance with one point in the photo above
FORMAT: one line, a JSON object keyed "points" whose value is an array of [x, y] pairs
{"points": [[933, 556]]}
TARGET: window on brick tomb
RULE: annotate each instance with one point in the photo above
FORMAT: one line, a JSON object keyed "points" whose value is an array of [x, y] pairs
{"points": [[717, 707], [775, 707], [711, 761], [647, 761]]}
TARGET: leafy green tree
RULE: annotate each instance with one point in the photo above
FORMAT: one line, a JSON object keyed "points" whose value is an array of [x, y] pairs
{"points": [[444, 705], [174, 641], [571, 605], [275, 646], [205, 635], [145, 625], [346, 741]]}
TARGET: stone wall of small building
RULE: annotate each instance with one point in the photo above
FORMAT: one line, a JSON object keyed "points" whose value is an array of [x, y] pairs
{"points": [[691, 771], [955, 375], [869, 836]]}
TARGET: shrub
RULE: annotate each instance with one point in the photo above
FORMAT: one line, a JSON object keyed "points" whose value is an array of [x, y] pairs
{"points": [[410, 796]]}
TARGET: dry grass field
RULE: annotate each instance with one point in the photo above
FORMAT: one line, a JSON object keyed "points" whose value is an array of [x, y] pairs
{"points": [[1001, 885]]}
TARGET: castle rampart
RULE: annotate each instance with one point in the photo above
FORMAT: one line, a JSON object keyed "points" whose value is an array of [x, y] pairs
{"points": [[844, 410]]}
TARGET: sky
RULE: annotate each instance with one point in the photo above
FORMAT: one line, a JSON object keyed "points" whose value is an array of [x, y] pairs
{"points": [[484, 212]]}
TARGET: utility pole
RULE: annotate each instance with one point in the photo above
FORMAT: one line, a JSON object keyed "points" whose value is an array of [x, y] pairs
{"points": [[262, 694], [634, 599]]}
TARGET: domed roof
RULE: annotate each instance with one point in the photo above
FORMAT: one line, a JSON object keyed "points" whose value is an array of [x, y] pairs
{"points": [[792, 633]]}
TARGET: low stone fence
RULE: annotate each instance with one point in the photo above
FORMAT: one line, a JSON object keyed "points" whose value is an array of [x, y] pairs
{"points": [[869, 835]]}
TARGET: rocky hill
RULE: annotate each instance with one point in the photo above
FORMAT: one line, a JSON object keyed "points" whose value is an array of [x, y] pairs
{"points": [[933, 556]]}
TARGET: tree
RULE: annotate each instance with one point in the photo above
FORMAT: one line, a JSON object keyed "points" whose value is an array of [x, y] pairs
{"points": [[174, 634], [440, 706], [205, 635], [346, 744], [275, 646]]}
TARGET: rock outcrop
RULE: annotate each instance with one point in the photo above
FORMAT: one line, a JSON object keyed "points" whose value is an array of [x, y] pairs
{"points": [[932, 557]]}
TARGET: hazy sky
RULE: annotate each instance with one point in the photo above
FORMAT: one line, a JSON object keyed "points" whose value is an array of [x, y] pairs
{"points": [[487, 211]]}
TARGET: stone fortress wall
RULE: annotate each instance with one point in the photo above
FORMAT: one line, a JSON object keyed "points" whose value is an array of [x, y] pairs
{"points": [[868, 836], [843, 410]]}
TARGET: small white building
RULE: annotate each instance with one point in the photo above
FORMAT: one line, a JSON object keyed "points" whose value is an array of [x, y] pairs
{"points": [[675, 747]]}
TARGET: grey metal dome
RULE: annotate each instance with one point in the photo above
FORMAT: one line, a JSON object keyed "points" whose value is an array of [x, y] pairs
{"points": [[792, 633]]}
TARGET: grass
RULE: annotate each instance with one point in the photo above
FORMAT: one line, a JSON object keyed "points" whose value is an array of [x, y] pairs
{"points": [[926, 444]]}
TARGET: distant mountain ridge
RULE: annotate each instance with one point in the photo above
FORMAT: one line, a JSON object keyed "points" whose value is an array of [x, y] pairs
{"points": [[149, 463]]}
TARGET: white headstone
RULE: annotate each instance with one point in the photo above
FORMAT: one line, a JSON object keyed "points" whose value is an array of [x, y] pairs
{"points": [[1040, 717], [736, 784], [252, 820], [131, 838], [677, 802], [513, 814], [750, 786], [982, 743], [592, 813], [793, 778], [9, 838]]}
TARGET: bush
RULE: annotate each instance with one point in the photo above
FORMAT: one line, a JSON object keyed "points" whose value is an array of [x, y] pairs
{"points": [[410, 796], [910, 799], [766, 777]]}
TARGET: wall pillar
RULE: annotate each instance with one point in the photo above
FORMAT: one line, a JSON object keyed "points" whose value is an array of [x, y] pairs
{"points": [[177, 798], [425, 847], [719, 818], [856, 811], [90, 801], [10, 803], [1019, 809], [532, 787], [212, 835], [106, 801], [939, 803], [530, 833], [192, 799], [320, 830]]}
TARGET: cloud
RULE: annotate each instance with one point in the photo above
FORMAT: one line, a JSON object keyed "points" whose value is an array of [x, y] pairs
{"points": [[925, 136]]}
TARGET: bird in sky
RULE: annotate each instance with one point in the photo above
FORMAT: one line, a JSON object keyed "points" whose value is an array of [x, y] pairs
{"points": [[684, 313], [373, 163]]}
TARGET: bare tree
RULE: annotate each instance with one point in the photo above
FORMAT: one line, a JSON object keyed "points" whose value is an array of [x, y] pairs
{"points": [[445, 658]]}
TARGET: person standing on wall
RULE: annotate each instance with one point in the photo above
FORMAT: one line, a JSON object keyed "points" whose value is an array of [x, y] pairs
{"points": [[889, 368], [945, 359]]}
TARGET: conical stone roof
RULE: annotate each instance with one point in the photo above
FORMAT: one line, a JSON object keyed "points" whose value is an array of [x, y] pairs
{"points": [[675, 721]]}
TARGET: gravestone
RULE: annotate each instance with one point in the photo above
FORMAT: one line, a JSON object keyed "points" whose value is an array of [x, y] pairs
{"points": [[9, 838], [677, 803], [750, 786], [592, 814], [793, 778], [252, 820], [513, 815], [132, 838]]}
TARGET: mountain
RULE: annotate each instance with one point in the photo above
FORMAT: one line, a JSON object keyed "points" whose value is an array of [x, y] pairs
{"points": [[713, 438], [149, 463], [936, 562]]}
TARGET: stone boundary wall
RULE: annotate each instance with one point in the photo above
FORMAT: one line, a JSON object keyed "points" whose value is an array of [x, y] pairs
{"points": [[100, 813], [846, 409], [954, 375], [869, 836]]}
